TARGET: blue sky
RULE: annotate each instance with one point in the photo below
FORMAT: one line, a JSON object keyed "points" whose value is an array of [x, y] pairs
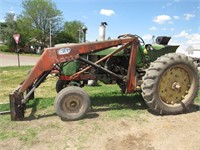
{"points": [[177, 18]]}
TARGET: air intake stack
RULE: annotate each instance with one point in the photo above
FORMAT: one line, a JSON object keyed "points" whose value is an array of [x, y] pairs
{"points": [[102, 31]]}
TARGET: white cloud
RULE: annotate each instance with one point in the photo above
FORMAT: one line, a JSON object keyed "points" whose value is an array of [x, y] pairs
{"points": [[174, 42], [172, 29], [195, 37], [153, 28], [162, 19], [164, 29], [182, 34], [188, 16], [107, 12], [192, 42], [176, 17], [191, 39], [147, 37]]}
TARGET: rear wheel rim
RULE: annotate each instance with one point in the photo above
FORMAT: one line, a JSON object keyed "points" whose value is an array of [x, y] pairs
{"points": [[174, 84]]}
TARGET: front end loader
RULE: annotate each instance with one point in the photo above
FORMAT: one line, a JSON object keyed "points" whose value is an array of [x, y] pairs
{"points": [[169, 81]]}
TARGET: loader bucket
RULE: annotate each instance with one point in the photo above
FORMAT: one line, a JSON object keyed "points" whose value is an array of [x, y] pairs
{"points": [[16, 107]]}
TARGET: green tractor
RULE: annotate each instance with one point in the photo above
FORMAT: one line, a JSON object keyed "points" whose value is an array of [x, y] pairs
{"points": [[169, 81]]}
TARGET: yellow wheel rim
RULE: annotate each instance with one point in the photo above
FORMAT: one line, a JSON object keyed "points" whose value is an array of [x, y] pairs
{"points": [[174, 85]]}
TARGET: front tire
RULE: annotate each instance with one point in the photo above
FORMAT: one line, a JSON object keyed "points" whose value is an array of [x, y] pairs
{"points": [[170, 84], [72, 103]]}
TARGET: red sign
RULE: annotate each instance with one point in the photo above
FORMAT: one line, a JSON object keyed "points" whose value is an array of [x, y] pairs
{"points": [[16, 38]]}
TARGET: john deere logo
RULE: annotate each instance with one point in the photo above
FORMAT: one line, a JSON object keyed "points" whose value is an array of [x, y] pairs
{"points": [[64, 51]]}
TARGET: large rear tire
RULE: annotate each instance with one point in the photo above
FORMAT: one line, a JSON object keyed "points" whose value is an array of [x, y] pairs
{"points": [[61, 84], [72, 103], [170, 84]]}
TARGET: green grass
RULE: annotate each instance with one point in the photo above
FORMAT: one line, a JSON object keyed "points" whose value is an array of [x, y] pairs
{"points": [[4, 135], [4, 107], [29, 136], [103, 97], [197, 99], [18, 130], [10, 78], [9, 130], [106, 98]]}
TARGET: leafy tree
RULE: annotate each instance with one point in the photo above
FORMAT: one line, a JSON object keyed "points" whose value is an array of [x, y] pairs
{"points": [[39, 16], [74, 29], [2, 27], [25, 30], [8, 29], [63, 37]]}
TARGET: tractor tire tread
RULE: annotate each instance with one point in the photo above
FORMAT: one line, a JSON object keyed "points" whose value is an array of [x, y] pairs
{"points": [[151, 81]]}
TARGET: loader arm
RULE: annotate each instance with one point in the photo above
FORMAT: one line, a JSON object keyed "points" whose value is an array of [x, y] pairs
{"points": [[47, 61], [52, 56]]}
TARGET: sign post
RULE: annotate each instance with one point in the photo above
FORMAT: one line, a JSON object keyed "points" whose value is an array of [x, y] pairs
{"points": [[16, 38]]}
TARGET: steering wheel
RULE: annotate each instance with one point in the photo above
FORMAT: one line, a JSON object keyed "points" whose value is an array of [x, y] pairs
{"points": [[141, 41]]}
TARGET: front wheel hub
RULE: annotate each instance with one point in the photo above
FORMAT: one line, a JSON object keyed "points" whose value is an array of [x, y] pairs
{"points": [[72, 104]]}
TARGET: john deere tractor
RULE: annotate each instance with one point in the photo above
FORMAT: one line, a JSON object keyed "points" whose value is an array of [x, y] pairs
{"points": [[168, 81]]}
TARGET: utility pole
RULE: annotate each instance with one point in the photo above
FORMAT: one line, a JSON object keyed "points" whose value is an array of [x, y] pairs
{"points": [[79, 35], [1, 33], [50, 21], [50, 32]]}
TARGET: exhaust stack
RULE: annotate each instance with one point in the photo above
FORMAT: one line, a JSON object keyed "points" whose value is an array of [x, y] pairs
{"points": [[102, 31]]}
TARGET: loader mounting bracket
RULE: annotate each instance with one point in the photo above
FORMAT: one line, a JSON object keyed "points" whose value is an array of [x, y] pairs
{"points": [[17, 109]]}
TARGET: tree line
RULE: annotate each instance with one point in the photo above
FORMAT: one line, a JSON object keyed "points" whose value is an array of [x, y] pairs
{"points": [[37, 19]]}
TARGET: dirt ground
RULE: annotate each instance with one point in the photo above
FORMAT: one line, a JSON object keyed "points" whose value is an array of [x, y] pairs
{"points": [[143, 131]]}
